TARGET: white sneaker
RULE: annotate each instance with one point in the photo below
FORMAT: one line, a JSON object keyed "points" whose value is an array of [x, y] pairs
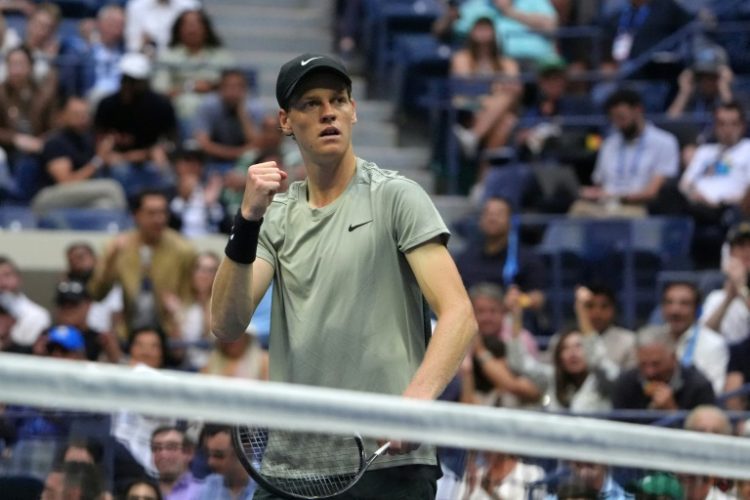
{"points": [[467, 140]]}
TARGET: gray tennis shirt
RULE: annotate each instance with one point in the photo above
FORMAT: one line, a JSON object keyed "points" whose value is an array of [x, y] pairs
{"points": [[347, 311]]}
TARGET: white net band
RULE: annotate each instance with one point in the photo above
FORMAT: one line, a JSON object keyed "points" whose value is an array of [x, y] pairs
{"points": [[105, 388]]}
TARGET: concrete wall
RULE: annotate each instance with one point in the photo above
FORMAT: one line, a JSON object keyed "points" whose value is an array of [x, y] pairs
{"points": [[41, 255]]}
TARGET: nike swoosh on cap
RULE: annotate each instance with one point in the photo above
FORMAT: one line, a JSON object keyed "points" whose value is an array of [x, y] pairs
{"points": [[306, 61]]}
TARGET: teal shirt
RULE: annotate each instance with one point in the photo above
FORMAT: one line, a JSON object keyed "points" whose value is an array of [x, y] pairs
{"points": [[517, 40]]}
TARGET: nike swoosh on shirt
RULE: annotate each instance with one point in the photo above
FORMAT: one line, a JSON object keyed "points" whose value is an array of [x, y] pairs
{"points": [[352, 227], [306, 61]]}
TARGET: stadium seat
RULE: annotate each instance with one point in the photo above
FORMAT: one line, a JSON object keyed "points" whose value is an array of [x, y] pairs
{"points": [[21, 487], [15, 218], [85, 219], [625, 254]]}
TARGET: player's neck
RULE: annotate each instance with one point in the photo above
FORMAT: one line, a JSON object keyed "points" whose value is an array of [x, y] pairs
{"points": [[326, 182]]}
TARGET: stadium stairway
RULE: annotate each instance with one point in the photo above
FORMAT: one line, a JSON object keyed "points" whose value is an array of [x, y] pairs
{"points": [[264, 33]]}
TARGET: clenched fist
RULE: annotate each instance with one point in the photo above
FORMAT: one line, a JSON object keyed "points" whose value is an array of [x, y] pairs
{"points": [[262, 182]]}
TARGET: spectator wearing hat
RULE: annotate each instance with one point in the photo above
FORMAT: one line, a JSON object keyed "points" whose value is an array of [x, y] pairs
{"points": [[659, 486], [31, 319], [703, 86], [72, 306], [143, 126], [727, 310], [66, 342]]}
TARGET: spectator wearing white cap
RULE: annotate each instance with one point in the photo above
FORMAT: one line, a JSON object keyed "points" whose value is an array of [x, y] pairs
{"points": [[142, 124]]}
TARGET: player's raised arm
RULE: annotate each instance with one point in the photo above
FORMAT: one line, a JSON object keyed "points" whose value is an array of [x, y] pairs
{"points": [[242, 280]]}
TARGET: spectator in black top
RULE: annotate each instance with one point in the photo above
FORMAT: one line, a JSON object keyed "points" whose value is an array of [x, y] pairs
{"points": [[72, 303], [659, 382], [226, 123], [71, 166], [738, 373], [494, 260], [142, 124], [640, 25]]}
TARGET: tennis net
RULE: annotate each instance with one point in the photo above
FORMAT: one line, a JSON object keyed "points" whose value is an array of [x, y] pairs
{"points": [[473, 439]]}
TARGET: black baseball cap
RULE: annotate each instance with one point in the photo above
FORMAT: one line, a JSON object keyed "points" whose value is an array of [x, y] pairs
{"points": [[292, 73], [70, 292]]}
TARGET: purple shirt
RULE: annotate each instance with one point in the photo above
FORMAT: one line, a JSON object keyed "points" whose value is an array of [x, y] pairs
{"points": [[186, 488]]}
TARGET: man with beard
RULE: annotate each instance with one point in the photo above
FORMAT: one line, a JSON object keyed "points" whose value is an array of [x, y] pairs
{"points": [[633, 162]]}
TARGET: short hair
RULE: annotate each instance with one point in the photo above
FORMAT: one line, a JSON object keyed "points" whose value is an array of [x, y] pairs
{"points": [[498, 198], [233, 71], [625, 96], [686, 283], [212, 429], [80, 244], [732, 106], [186, 441], [652, 335], [143, 194], [604, 291], [486, 289], [726, 425], [109, 9], [7, 261]]}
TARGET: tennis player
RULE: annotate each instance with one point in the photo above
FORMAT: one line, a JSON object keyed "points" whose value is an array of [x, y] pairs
{"points": [[358, 257]]}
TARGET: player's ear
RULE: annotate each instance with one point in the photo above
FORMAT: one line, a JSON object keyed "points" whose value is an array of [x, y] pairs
{"points": [[354, 110], [284, 124]]}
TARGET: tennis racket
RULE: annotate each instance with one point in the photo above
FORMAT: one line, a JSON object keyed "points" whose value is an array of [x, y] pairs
{"points": [[302, 465]]}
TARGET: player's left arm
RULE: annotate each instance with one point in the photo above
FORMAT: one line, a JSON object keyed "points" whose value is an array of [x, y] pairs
{"points": [[441, 285]]}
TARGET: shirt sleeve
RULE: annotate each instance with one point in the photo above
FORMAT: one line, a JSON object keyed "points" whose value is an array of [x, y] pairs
{"points": [[415, 220], [693, 169], [668, 163]]}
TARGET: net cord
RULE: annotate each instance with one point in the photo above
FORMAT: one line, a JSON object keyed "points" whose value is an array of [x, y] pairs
{"points": [[100, 387]]}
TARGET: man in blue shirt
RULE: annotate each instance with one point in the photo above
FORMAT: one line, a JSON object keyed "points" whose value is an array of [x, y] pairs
{"points": [[229, 480]]}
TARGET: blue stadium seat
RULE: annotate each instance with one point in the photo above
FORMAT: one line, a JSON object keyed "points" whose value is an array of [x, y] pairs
{"points": [[15, 218], [625, 254], [87, 219]]}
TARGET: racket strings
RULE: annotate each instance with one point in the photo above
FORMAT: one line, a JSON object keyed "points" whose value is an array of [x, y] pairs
{"points": [[300, 463]]}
